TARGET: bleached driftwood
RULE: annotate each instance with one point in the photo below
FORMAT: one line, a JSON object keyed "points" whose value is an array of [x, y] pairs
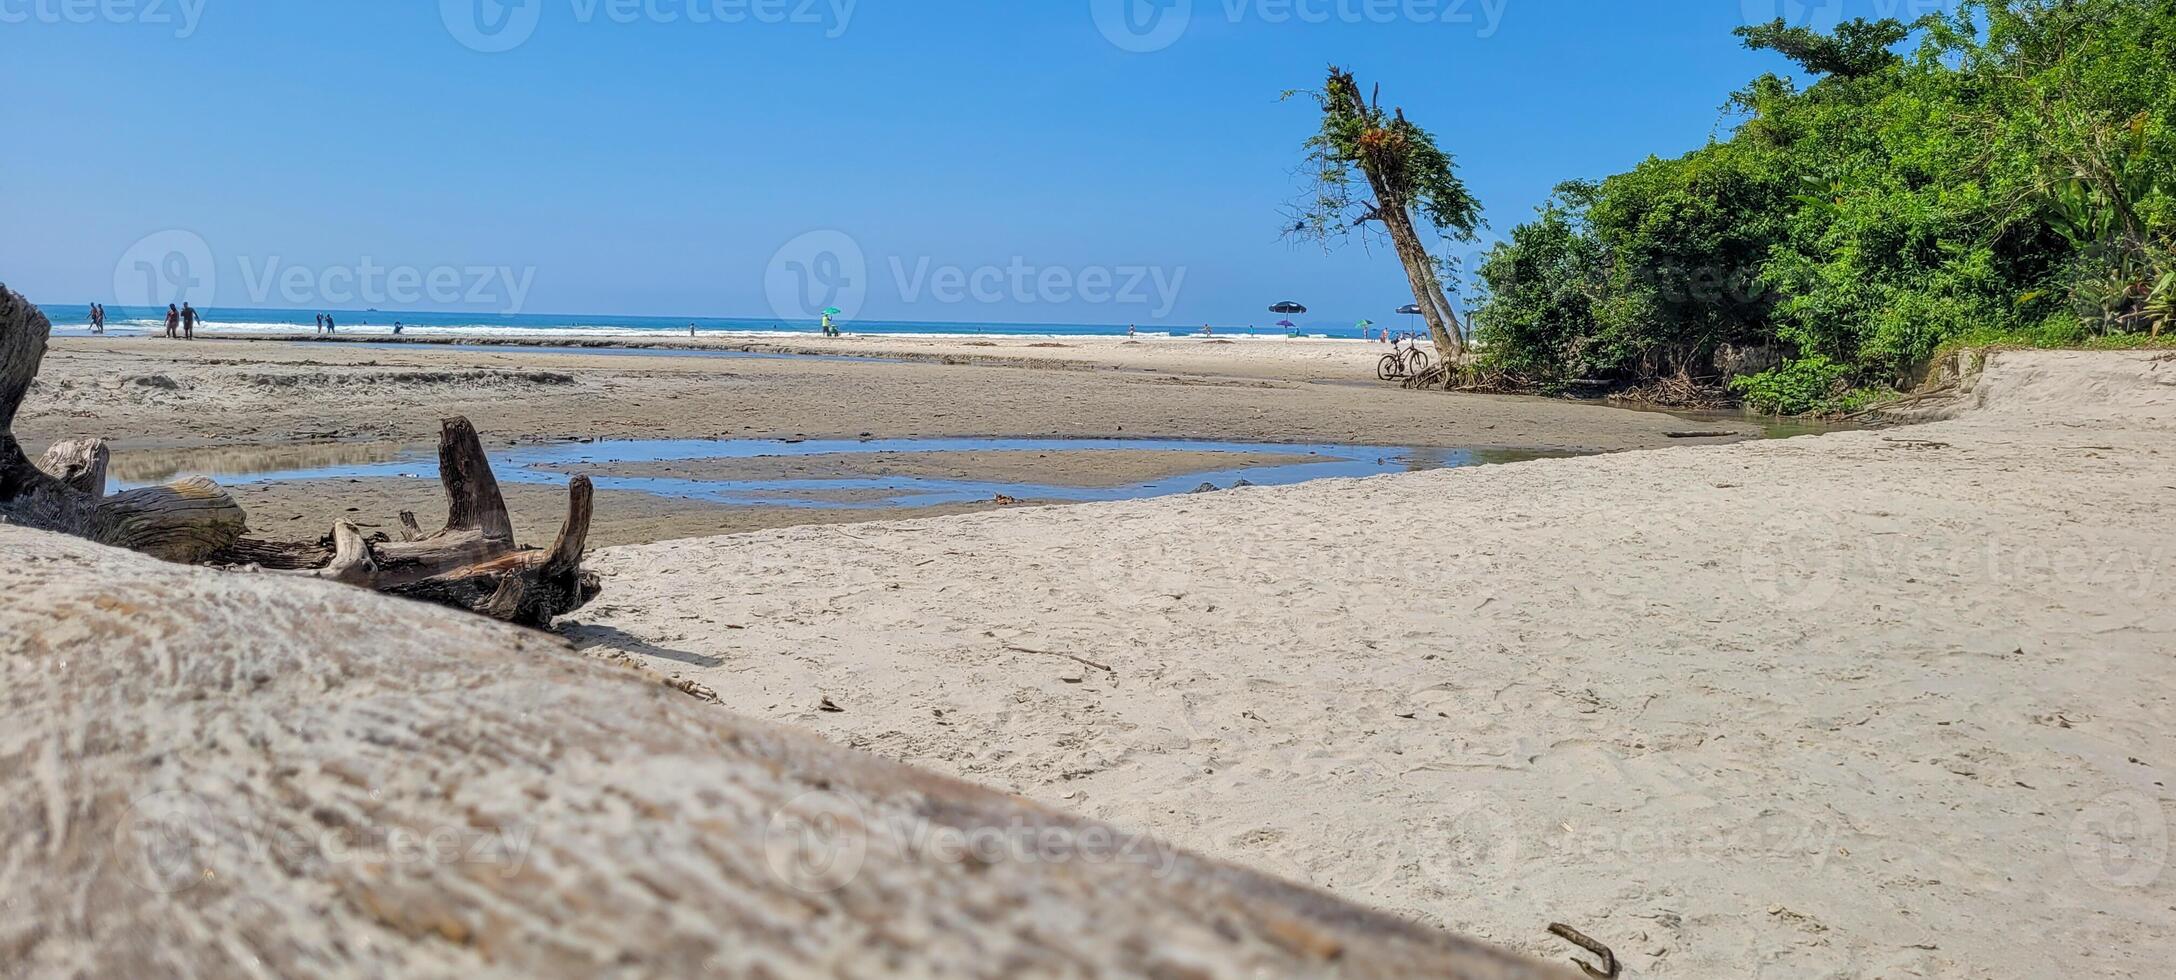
{"points": [[474, 563], [215, 775], [183, 522]]}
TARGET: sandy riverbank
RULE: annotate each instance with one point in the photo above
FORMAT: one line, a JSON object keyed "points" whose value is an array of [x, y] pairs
{"points": [[1870, 704], [226, 406]]}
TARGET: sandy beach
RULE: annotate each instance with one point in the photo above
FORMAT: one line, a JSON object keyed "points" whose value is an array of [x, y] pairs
{"points": [[1867, 704], [229, 407], [1870, 703]]}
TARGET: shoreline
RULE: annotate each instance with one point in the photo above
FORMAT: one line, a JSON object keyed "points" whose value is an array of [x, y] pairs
{"points": [[225, 406]]}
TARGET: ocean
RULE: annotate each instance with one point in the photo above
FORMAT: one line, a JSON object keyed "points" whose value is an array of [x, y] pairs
{"points": [[75, 320]]}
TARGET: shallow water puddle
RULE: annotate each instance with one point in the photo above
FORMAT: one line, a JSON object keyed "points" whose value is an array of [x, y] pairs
{"points": [[576, 349], [553, 464]]}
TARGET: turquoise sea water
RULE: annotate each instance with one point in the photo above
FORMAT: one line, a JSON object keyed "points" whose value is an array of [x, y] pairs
{"points": [[75, 319]]}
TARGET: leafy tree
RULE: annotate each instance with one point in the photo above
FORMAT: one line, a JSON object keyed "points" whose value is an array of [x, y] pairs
{"points": [[1858, 48], [2015, 173], [1370, 166]]}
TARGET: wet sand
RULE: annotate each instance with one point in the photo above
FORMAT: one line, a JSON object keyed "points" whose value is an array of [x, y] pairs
{"points": [[1087, 468], [306, 510], [246, 406], [152, 393]]}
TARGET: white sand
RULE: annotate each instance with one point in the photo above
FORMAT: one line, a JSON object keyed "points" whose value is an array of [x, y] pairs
{"points": [[1871, 704]]}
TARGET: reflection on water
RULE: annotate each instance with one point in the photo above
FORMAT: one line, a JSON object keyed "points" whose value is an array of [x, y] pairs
{"points": [[708, 352], [1771, 427], [552, 464], [139, 468]]}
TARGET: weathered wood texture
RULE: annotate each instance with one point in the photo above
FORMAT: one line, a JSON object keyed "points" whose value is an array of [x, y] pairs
{"points": [[207, 774], [474, 563], [184, 522], [80, 464]]}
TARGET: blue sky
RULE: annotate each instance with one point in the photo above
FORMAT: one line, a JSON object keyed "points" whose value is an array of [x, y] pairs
{"points": [[655, 156]]}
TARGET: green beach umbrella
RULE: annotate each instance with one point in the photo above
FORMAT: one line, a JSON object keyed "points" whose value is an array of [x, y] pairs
{"points": [[833, 311]]}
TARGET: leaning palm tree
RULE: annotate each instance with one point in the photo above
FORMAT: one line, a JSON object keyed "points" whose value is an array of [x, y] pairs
{"points": [[1369, 166]]}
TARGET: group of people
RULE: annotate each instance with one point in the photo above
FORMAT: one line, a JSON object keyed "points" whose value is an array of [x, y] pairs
{"points": [[98, 318], [181, 322], [325, 324]]}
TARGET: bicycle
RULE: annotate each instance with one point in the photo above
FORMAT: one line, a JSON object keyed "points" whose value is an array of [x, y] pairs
{"points": [[1401, 364]]}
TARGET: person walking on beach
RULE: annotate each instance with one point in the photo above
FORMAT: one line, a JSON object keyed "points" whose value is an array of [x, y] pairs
{"points": [[188, 322], [829, 330], [330, 327], [173, 321], [98, 318]]}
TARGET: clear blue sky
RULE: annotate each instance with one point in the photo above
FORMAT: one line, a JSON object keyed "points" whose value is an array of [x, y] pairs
{"points": [[657, 166]]}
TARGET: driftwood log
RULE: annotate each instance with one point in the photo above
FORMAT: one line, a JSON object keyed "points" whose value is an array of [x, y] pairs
{"points": [[474, 563], [239, 775]]}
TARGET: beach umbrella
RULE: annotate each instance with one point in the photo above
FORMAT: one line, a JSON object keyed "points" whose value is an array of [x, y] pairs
{"points": [[1409, 309], [1287, 324], [833, 311], [1288, 308]]}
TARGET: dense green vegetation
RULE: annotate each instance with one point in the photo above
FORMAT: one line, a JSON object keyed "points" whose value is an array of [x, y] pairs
{"points": [[2005, 173]]}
